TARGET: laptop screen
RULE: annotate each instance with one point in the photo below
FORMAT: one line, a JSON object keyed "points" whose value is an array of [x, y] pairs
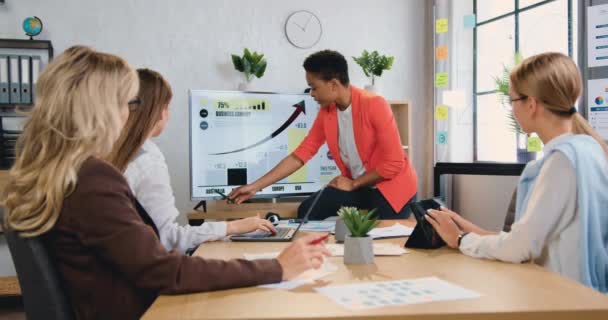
{"points": [[312, 206]]}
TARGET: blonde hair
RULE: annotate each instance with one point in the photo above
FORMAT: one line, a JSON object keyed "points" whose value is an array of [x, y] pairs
{"points": [[77, 115], [154, 94], [554, 79]]}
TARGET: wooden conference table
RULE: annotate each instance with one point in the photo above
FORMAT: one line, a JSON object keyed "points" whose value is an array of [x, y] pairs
{"points": [[509, 291]]}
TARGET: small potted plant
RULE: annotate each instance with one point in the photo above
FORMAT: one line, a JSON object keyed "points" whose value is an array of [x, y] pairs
{"points": [[502, 89], [250, 64], [373, 64], [358, 246]]}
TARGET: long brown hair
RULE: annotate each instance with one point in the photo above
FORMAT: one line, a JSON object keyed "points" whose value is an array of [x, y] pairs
{"points": [[79, 100], [554, 79], [154, 94]]}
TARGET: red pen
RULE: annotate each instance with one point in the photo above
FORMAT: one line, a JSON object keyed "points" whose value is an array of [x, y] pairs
{"points": [[319, 240]]}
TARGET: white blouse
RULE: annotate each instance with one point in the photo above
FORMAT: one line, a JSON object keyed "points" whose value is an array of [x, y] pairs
{"points": [[346, 142], [148, 177]]}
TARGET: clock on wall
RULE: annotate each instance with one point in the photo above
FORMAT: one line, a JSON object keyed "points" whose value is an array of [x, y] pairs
{"points": [[303, 29]]}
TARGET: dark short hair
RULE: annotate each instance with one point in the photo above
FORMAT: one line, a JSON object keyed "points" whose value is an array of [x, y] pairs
{"points": [[328, 64]]}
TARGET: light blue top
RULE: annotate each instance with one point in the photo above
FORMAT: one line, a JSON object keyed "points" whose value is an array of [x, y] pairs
{"points": [[590, 164]]}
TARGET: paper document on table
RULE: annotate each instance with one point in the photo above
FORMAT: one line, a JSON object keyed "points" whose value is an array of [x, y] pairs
{"points": [[369, 295], [380, 249], [306, 277], [319, 226], [395, 231]]}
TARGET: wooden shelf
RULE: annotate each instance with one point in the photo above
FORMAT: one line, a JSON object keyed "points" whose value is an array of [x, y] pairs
{"points": [[402, 112]]}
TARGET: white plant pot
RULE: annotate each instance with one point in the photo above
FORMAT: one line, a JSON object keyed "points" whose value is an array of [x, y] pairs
{"points": [[358, 250], [245, 86], [341, 230], [371, 88]]}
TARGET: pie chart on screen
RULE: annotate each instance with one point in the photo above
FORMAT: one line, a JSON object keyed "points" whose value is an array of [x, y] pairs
{"points": [[599, 101]]}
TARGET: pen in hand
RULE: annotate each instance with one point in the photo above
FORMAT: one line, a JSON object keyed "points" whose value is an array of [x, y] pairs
{"points": [[319, 240], [224, 197]]}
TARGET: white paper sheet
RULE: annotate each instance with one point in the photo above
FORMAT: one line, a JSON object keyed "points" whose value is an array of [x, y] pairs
{"points": [[396, 230], [307, 277], [395, 293], [319, 226]]}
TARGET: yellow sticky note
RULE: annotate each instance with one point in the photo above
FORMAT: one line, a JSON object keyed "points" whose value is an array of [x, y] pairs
{"points": [[441, 112], [534, 144], [441, 53], [441, 79], [441, 25]]}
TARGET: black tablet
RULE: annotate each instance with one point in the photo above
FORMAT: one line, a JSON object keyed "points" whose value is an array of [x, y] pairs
{"points": [[425, 236]]}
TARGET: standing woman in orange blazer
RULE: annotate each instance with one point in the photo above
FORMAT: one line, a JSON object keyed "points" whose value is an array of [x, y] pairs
{"points": [[360, 131]]}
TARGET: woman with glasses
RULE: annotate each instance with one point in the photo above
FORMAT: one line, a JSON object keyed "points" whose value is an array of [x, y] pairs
{"points": [[60, 188], [146, 170], [562, 199]]}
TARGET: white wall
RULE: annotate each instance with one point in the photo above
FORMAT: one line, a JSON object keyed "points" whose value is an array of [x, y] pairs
{"points": [[190, 41]]}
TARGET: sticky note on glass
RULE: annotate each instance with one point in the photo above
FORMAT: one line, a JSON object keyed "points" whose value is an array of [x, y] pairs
{"points": [[442, 137], [441, 25], [441, 79], [534, 144], [441, 112], [469, 21], [441, 52]]}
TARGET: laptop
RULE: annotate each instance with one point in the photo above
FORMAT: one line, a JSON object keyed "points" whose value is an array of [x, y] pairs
{"points": [[283, 234]]}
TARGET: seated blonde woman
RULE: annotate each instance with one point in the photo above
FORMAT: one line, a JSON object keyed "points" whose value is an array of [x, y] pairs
{"points": [[148, 175], [108, 253], [561, 217]]}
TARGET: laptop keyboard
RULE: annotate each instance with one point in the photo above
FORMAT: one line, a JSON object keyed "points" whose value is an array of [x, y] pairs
{"points": [[281, 233]]}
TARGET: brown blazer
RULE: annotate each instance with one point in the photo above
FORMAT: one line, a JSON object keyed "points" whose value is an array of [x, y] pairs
{"points": [[112, 263]]}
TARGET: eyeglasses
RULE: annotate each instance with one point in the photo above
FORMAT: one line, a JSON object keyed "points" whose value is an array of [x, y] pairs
{"points": [[511, 100], [133, 104]]}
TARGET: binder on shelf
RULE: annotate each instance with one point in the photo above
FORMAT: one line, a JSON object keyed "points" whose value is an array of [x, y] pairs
{"points": [[26, 76], [4, 90], [36, 65], [14, 81]]}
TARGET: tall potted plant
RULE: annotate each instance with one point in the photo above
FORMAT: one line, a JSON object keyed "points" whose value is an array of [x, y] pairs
{"points": [[250, 64], [358, 246], [373, 64], [502, 89]]}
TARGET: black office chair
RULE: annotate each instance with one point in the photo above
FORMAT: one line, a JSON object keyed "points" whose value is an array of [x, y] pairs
{"points": [[43, 295]]}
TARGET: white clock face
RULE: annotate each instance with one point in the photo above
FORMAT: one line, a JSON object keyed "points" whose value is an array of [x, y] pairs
{"points": [[303, 29]]}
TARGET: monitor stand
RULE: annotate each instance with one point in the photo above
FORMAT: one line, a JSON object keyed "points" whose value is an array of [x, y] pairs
{"points": [[202, 203]]}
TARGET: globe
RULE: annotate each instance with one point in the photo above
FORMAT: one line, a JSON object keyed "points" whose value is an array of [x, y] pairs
{"points": [[32, 26]]}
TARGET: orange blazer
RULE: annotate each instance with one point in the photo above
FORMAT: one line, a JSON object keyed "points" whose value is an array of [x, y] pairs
{"points": [[377, 140]]}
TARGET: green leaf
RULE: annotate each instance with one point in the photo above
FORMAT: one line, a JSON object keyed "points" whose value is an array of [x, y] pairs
{"points": [[259, 69], [257, 58], [247, 69], [237, 62], [349, 225], [247, 55]]}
